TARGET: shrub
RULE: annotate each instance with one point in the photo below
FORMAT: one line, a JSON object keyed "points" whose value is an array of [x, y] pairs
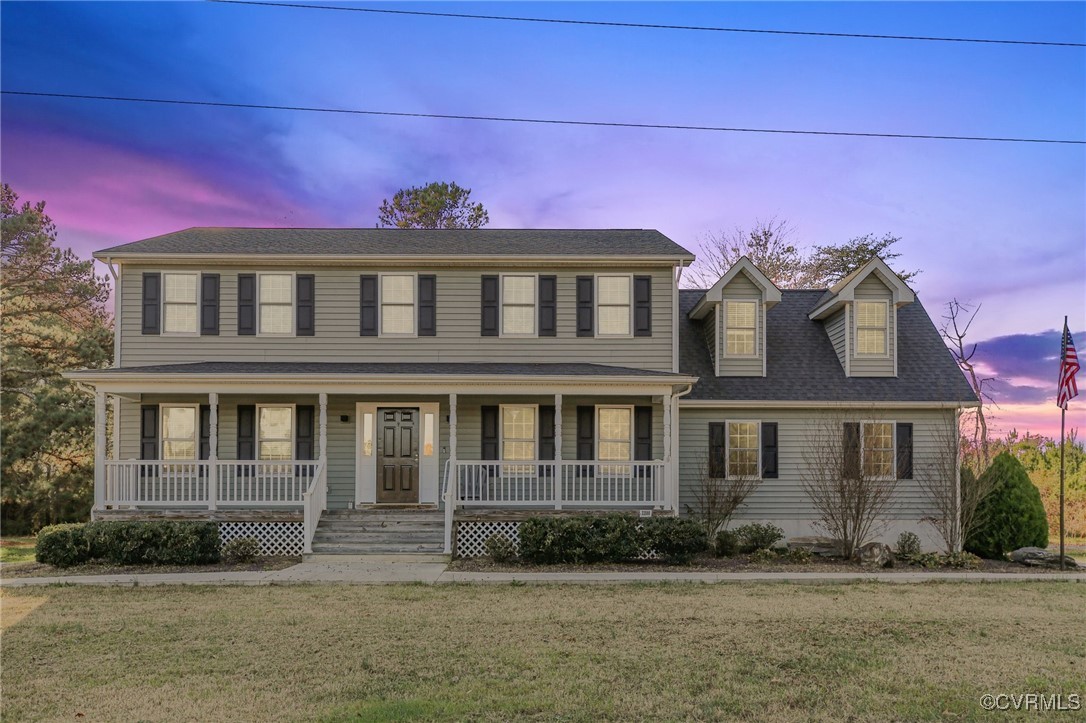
{"points": [[726, 543], [963, 560], [62, 545], [581, 539], [764, 556], [241, 549], [798, 555], [758, 537], [1011, 515], [500, 548], [677, 539], [908, 545]]}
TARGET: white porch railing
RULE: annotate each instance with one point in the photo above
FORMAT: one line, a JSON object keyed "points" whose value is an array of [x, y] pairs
{"points": [[314, 502], [260, 483], [578, 483]]}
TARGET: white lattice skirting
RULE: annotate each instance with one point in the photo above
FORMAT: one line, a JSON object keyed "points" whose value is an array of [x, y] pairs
{"points": [[276, 538], [471, 537]]}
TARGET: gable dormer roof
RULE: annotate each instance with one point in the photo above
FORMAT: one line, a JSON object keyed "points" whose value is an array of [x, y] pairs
{"points": [[845, 289], [771, 295]]}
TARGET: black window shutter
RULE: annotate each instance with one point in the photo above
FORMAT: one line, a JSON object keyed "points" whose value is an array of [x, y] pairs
{"points": [[246, 431], [367, 305], [149, 431], [303, 435], [209, 304], [546, 431], [904, 450], [586, 432], [642, 305], [642, 433], [717, 462], [769, 450], [152, 302], [851, 448], [489, 309], [246, 305], [305, 309], [585, 309], [490, 432], [548, 305], [427, 305], [205, 432]]}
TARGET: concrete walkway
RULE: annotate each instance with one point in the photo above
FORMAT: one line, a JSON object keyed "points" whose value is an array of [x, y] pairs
{"points": [[385, 573]]}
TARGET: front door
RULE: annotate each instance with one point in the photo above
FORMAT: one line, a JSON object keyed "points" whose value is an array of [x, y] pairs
{"points": [[398, 455]]}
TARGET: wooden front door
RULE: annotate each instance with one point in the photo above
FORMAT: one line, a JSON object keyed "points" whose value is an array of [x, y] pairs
{"points": [[398, 455]]}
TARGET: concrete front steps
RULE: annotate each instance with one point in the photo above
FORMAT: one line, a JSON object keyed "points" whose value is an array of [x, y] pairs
{"points": [[404, 534]]}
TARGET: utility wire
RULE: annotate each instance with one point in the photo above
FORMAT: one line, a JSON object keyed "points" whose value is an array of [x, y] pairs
{"points": [[653, 26], [544, 121]]}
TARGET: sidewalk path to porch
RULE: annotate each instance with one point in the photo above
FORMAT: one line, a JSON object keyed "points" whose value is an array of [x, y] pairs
{"points": [[389, 573]]}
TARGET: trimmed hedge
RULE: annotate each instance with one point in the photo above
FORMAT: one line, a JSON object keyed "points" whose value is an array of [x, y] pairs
{"points": [[129, 543], [608, 538], [1012, 515]]}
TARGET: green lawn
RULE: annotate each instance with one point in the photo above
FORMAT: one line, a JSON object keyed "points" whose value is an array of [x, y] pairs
{"points": [[17, 549], [773, 652]]}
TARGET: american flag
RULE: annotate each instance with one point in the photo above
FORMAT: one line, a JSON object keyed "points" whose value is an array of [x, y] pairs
{"points": [[1068, 368]]}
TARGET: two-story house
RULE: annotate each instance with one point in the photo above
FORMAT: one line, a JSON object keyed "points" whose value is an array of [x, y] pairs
{"points": [[349, 390]]}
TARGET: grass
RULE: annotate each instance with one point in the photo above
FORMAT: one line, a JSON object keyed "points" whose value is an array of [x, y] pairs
{"points": [[17, 549], [773, 652]]}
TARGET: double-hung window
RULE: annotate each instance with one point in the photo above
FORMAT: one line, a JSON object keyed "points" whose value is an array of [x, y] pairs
{"points": [[871, 327], [615, 443], [179, 428], [276, 313], [398, 304], [275, 431], [518, 432], [743, 449], [878, 449], [613, 305], [518, 305], [742, 328], [180, 303]]}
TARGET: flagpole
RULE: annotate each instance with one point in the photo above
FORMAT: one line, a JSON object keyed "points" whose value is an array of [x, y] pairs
{"points": [[1063, 445]]}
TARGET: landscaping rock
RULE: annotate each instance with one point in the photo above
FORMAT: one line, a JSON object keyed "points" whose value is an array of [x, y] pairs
{"points": [[876, 555], [1036, 557], [822, 546]]}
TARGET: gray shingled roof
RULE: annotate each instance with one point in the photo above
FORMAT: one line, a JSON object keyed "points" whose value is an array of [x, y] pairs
{"points": [[407, 242], [801, 364], [382, 369]]}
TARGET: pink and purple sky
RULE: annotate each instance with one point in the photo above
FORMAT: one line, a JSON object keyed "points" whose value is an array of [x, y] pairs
{"points": [[999, 224]]}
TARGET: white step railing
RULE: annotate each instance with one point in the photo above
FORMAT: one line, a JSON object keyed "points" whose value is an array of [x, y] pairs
{"points": [[578, 483], [258, 483], [314, 502]]}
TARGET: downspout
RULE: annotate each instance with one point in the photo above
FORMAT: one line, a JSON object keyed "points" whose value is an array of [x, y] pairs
{"points": [[674, 462], [116, 356]]}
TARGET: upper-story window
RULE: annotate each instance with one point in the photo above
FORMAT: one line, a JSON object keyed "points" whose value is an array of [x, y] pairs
{"points": [[275, 431], [742, 326], [613, 305], [179, 431], [871, 327], [180, 303], [518, 306], [398, 304], [276, 308]]}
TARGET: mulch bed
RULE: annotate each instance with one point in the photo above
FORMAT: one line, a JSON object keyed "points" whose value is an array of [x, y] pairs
{"points": [[36, 569], [739, 563]]}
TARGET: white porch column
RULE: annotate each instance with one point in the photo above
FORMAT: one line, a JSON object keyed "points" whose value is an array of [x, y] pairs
{"points": [[557, 427], [99, 449], [668, 453], [213, 452], [322, 427], [451, 481]]}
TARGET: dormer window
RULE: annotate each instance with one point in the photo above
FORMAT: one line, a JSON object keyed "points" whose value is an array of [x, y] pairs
{"points": [[742, 327], [871, 328]]}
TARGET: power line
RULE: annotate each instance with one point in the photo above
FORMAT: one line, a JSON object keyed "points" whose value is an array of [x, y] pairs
{"points": [[653, 26], [543, 121]]}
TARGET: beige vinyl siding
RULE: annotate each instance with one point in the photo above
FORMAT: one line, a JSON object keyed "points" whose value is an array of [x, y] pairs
{"points": [[873, 289], [783, 498], [837, 329], [741, 288], [458, 321]]}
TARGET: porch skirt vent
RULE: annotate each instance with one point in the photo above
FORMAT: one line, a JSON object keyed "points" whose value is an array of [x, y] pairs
{"points": [[471, 538], [276, 538]]}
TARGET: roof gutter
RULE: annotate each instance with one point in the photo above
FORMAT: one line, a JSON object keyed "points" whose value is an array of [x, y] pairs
{"points": [[820, 404], [460, 259]]}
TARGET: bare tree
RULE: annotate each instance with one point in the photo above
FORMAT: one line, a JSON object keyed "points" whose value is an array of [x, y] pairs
{"points": [[953, 493], [766, 244], [955, 328], [850, 482], [717, 496]]}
